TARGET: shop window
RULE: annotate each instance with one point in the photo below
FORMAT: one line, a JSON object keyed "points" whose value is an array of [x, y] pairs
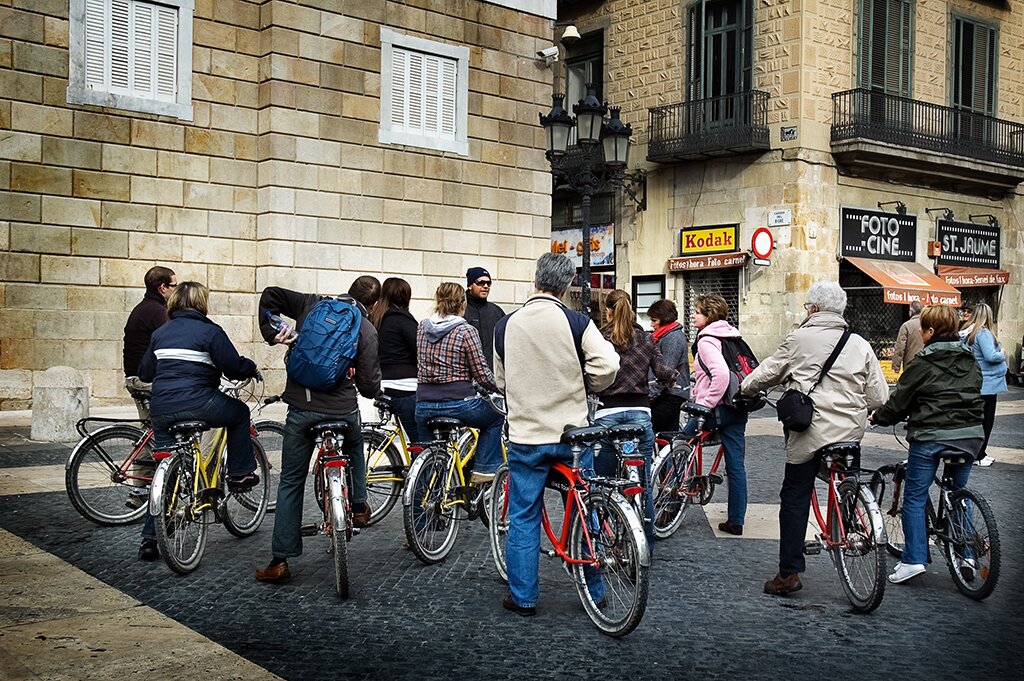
{"points": [[131, 54], [724, 282], [647, 290], [877, 321]]}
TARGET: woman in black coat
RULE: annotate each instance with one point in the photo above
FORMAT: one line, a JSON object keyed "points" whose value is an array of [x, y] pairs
{"points": [[396, 338]]}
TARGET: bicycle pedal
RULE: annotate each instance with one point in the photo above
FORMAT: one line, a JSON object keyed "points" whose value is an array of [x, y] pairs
{"points": [[309, 530], [812, 548], [715, 478]]}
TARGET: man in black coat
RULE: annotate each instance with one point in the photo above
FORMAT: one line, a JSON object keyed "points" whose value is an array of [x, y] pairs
{"points": [[148, 316], [480, 312]]}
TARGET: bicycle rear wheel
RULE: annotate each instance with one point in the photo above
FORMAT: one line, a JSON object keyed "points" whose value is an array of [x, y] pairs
{"points": [[180, 529], [973, 551], [384, 472], [336, 502], [855, 525], [615, 542], [497, 530], [100, 482], [892, 509], [244, 512], [271, 434], [671, 475], [431, 522]]}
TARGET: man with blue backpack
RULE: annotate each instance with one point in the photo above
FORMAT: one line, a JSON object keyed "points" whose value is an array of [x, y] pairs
{"points": [[332, 353]]}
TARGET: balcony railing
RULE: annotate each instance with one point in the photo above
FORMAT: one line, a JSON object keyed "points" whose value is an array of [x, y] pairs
{"points": [[718, 126], [867, 115]]}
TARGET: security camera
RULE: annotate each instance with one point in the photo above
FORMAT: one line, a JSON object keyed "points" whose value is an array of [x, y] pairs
{"points": [[548, 54]]}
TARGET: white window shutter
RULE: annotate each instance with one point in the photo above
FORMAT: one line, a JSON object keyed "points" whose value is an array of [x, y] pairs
{"points": [[431, 93], [142, 50], [449, 97], [414, 92], [167, 54], [399, 88], [119, 42], [95, 43]]}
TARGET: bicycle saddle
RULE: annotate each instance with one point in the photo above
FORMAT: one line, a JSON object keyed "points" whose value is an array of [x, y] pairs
{"points": [[846, 452], [583, 436], [694, 409], [954, 457], [336, 427], [188, 427], [383, 402], [626, 431], [443, 425]]}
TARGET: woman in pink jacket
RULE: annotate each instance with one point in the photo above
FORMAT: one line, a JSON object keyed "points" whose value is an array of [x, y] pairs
{"points": [[711, 380]]}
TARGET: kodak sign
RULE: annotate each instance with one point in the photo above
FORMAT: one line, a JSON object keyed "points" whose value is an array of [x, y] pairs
{"points": [[708, 240]]}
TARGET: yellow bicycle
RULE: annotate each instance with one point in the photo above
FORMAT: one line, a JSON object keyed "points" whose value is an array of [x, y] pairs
{"points": [[388, 458], [189, 494]]}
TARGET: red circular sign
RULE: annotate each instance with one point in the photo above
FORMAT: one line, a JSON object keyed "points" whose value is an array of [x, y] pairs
{"points": [[762, 242]]}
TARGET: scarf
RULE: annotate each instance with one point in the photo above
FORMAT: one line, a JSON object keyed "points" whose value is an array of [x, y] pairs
{"points": [[663, 329]]}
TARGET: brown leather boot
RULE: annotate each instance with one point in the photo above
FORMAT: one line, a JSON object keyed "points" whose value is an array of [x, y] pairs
{"points": [[274, 574], [362, 518], [780, 586]]}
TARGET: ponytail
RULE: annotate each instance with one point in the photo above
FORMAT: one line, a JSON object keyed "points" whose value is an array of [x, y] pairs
{"points": [[621, 325]]}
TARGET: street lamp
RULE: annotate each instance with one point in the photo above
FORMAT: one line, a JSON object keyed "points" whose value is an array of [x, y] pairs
{"points": [[598, 160]]}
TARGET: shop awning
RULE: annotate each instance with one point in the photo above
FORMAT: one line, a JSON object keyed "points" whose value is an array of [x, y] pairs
{"points": [[966, 277], [905, 282]]}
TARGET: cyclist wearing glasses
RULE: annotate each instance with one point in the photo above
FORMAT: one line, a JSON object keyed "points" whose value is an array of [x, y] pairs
{"points": [[545, 376], [481, 313], [939, 393]]}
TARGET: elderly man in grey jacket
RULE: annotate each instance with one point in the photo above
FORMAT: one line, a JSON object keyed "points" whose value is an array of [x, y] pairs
{"points": [[853, 387], [908, 339]]}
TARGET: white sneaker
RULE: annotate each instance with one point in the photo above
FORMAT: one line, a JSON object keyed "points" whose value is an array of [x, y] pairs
{"points": [[905, 571], [986, 462]]}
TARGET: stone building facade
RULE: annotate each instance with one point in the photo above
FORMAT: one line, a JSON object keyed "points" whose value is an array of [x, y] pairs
{"points": [[270, 165], [847, 120]]}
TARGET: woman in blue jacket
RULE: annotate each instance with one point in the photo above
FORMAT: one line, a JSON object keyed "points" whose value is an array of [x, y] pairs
{"points": [[185, 360], [981, 340]]}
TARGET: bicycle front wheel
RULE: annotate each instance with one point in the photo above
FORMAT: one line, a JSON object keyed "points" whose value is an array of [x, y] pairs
{"points": [[497, 530], [431, 519], [384, 472], [612, 580], [890, 502], [671, 475], [244, 512], [339, 529], [972, 551], [107, 480], [856, 529], [271, 434], [180, 527]]}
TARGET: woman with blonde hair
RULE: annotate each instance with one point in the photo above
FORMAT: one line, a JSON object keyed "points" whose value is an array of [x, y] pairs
{"points": [[185, 360], [991, 358], [449, 358], [627, 401]]}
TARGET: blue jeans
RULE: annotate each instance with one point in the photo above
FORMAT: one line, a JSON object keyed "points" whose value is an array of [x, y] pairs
{"points": [[475, 413], [731, 426], [528, 467], [922, 463], [607, 462], [404, 405], [296, 452], [220, 411]]}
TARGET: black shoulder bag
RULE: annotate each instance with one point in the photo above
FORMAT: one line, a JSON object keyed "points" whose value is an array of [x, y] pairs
{"points": [[796, 409]]}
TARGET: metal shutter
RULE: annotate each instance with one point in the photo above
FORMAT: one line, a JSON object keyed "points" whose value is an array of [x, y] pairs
{"points": [[724, 282]]}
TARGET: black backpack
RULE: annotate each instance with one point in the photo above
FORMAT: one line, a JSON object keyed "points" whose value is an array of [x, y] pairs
{"points": [[741, 361]]}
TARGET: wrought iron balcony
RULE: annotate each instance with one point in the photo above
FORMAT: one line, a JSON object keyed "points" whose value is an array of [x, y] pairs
{"points": [[705, 128], [878, 134]]}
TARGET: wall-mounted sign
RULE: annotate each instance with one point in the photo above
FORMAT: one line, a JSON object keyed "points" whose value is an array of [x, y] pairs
{"points": [[787, 133], [706, 262], [762, 243], [708, 240], [968, 244], [602, 245], [779, 218], [877, 235]]}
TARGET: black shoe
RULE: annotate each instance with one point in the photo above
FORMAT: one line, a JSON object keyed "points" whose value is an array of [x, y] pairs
{"points": [[242, 483], [148, 550], [509, 604], [731, 528]]}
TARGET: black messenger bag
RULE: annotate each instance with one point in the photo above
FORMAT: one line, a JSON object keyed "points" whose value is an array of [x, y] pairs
{"points": [[796, 409]]}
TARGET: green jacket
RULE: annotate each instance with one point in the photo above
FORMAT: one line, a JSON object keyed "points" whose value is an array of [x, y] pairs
{"points": [[940, 392]]}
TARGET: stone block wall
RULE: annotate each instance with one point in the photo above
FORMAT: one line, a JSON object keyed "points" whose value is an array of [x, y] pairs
{"points": [[278, 180]]}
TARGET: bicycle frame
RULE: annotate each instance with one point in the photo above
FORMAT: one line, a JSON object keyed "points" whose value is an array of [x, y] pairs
{"points": [[831, 502], [574, 506]]}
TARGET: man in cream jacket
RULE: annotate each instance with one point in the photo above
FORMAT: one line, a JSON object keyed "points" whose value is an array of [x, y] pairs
{"points": [[546, 359]]}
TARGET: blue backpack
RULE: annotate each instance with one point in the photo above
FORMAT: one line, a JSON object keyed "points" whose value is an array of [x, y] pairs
{"points": [[326, 345]]}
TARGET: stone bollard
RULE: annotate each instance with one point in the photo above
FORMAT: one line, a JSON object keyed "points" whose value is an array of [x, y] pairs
{"points": [[60, 397]]}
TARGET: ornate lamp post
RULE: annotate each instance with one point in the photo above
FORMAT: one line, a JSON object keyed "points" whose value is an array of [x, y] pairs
{"points": [[598, 160]]}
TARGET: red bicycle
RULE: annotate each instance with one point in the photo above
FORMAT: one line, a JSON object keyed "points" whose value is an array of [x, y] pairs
{"points": [[601, 538]]}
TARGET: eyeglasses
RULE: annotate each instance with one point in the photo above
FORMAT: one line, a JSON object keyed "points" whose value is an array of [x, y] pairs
{"points": [[482, 282], [808, 306]]}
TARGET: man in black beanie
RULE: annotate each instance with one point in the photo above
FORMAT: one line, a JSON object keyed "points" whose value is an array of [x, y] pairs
{"points": [[480, 312]]}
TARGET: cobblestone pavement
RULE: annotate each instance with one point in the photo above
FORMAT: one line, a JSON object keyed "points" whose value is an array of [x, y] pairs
{"points": [[707, 617]]}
